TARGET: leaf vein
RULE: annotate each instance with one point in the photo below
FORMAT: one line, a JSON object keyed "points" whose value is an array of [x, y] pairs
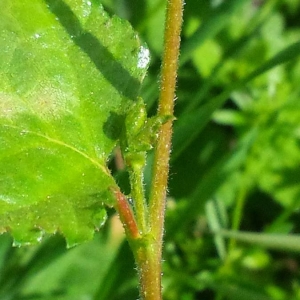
{"points": [[63, 144]]}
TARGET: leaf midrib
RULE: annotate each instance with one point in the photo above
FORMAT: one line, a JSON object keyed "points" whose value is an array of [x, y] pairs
{"points": [[63, 144]]}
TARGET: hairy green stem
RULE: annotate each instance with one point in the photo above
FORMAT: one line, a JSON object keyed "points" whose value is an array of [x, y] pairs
{"points": [[138, 195], [166, 107], [149, 269], [144, 229], [148, 257]]}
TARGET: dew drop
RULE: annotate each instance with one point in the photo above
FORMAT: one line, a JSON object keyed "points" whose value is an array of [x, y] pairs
{"points": [[143, 58], [130, 201]]}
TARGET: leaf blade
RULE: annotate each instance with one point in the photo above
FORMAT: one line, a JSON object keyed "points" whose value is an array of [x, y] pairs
{"points": [[67, 78]]}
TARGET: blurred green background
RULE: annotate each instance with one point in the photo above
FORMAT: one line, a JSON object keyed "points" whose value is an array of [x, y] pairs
{"points": [[235, 166]]}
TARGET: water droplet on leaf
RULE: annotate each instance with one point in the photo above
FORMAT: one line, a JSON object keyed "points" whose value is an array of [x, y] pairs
{"points": [[143, 58]]}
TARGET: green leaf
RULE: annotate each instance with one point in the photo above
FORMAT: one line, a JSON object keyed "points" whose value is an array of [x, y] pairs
{"points": [[282, 242], [69, 73], [208, 185], [184, 129], [217, 219], [114, 283], [213, 23]]}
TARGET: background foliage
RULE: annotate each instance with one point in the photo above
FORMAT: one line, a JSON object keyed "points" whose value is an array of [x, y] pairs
{"points": [[235, 165]]}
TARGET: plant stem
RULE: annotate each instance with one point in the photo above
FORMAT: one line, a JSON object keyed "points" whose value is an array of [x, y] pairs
{"points": [[148, 263], [137, 193], [148, 256], [237, 214], [145, 238], [126, 215], [166, 107]]}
